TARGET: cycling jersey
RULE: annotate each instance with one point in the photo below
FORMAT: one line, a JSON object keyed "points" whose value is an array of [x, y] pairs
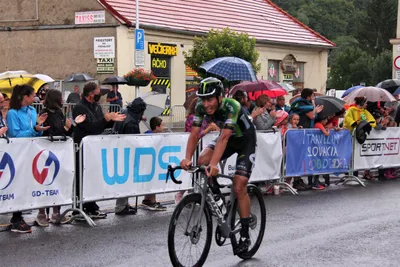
{"points": [[230, 115]]}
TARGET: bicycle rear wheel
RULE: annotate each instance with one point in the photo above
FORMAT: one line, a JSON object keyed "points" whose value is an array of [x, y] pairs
{"points": [[185, 238], [257, 224]]}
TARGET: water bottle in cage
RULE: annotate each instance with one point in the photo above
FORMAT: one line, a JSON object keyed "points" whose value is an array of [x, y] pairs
{"points": [[220, 203]]}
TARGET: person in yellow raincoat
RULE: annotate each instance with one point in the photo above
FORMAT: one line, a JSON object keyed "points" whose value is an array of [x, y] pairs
{"points": [[356, 114]]}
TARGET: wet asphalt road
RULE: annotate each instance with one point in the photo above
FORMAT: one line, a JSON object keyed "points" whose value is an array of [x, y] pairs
{"points": [[342, 226]]}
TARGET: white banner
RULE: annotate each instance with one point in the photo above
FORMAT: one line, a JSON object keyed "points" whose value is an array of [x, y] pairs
{"points": [[268, 157], [35, 173], [380, 150], [128, 165]]}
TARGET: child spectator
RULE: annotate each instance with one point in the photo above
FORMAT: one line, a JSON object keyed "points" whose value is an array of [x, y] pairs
{"points": [[294, 120], [149, 202], [321, 124], [282, 121]]}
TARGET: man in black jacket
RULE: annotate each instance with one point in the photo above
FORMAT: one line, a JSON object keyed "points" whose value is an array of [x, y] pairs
{"points": [[94, 124], [134, 114]]}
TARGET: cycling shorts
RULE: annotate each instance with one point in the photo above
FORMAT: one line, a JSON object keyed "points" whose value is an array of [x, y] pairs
{"points": [[245, 147]]}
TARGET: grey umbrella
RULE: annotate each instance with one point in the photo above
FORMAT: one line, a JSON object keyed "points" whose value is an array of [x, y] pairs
{"points": [[115, 80], [331, 104], [78, 77]]}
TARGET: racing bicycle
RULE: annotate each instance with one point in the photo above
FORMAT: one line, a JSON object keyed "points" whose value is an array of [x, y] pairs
{"points": [[191, 226]]}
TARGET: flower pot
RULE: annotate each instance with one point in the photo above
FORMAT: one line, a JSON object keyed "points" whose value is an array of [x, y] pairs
{"points": [[137, 82]]}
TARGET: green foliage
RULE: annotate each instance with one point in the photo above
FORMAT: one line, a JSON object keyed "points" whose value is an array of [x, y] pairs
{"points": [[222, 43], [361, 30]]}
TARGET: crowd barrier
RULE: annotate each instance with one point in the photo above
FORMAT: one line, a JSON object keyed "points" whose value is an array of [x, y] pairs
{"points": [[36, 172], [68, 107]]}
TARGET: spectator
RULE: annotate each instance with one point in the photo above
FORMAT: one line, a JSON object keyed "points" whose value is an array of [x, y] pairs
{"points": [[322, 124], [294, 121], [391, 107], [244, 101], [114, 97], [22, 121], [135, 113], [282, 121], [59, 126], [280, 104], [94, 124], [75, 96], [304, 107], [354, 115], [3, 115], [266, 119], [149, 202]]}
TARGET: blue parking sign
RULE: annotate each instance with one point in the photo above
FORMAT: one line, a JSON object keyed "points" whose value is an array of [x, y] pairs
{"points": [[139, 39]]}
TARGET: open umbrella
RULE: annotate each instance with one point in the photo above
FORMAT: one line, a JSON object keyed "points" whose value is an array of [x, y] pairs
{"points": [[9, 79], [331, 105], [44, 77], [391, 85], [230, 68], [78, 77], [273, 93], [373, 94], [260, 85], [397, 92], [351, 89], [115, 80]]}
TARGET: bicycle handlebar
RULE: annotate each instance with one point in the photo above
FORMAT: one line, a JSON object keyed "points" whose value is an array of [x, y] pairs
{"points": [[202, 169]]}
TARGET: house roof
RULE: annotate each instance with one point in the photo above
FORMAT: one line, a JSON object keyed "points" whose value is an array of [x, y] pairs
{"points": [[261, 19]]}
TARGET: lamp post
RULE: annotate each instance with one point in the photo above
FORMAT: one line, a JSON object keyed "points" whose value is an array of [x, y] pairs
{"points": [[137, 27]]}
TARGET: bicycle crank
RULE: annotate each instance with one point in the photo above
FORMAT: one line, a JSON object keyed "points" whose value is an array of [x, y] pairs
{"points": [[218, 237]]}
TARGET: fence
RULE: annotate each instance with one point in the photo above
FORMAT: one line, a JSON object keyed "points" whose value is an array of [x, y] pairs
{"points": [[132, 165]]}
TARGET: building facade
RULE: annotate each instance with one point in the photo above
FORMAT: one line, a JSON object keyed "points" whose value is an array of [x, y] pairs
{"points": [[97, 37]]}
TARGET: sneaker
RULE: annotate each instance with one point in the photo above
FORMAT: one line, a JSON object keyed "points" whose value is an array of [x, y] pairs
{"points": [[389, 174], [41, 220], [56, 219], [156, 206], [96, 214], [128, 210], [300, 185], [243, 246], [21, 227], [318, 187]]}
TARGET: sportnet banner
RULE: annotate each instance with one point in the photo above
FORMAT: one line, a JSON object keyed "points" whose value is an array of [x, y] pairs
{"points": [[268, 157], [380, 150], [35, 173], [128, 165]]}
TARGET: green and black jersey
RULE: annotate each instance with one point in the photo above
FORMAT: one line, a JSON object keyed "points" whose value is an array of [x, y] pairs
{"points": [[230, 115]]}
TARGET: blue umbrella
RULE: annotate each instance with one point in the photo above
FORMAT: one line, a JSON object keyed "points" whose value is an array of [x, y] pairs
{"points": [[230, 68], [351, 89], [397, 92]]}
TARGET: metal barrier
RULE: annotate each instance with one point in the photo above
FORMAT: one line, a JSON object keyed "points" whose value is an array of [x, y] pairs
{"points": [[176, 118]]}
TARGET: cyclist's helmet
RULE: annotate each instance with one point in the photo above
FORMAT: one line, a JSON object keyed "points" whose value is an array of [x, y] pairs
{"points": [[210, 87]]}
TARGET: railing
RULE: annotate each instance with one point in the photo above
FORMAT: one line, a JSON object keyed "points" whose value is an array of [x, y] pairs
{"points": [[67, 108]]}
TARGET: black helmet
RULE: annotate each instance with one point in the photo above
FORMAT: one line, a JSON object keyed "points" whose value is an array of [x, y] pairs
{"points": [[210, 87]]}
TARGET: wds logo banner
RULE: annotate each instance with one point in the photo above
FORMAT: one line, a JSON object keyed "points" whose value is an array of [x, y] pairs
{"points": [[131, 165], [311, 152]]}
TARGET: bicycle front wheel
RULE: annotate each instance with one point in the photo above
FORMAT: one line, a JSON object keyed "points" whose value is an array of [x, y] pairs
{"points": [[257, 224], [189, 238]]}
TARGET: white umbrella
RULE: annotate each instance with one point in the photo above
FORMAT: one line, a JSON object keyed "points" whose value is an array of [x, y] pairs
{"points": [[288, 87], [373, 94], [44, 77]]}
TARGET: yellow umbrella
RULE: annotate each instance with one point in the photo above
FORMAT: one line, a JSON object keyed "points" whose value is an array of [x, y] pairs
{"points": [[9, 79]]}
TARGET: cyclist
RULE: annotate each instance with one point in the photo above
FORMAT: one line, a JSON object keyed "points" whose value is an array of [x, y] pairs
{"points": [[237, 135]]}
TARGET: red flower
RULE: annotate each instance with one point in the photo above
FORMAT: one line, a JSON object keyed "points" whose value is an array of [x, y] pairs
{"points": [[140, 74]]}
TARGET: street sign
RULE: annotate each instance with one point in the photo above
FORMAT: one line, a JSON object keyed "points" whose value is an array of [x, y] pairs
{"points": [[139, 39], [139, 57], [396, 63]]}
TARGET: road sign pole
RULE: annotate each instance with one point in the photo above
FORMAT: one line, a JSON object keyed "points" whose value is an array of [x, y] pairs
{"points": [[137, 27]]}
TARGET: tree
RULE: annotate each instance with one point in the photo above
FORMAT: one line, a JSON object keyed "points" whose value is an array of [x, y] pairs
{"points": [[222, 43]]}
